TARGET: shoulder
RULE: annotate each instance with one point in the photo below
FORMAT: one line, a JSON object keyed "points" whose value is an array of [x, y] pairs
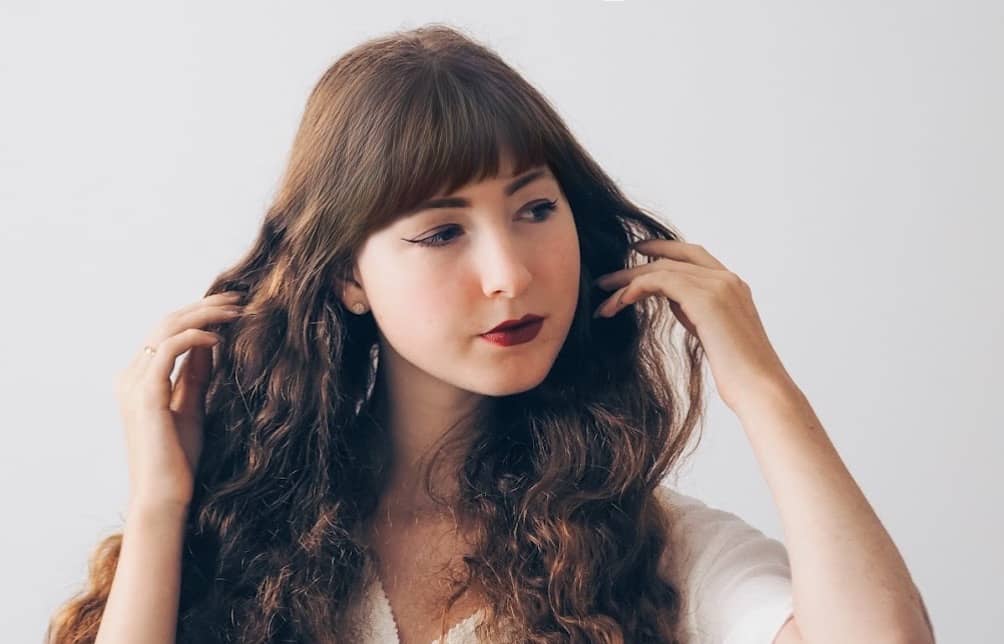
{"points": [[735, 580]]}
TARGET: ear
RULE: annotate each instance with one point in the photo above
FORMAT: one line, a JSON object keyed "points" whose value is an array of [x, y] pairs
{"points": [[350, 290]]}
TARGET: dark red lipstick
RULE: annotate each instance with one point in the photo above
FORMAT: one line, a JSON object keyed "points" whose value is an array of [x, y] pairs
{"points": [[513, 332], [508, 324]]}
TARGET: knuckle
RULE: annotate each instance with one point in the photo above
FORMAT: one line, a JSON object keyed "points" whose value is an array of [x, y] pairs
{"points": [[166, 347], [191, 333]]}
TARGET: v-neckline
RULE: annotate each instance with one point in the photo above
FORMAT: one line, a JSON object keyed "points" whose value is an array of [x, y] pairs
{"points": [[383, 601]]}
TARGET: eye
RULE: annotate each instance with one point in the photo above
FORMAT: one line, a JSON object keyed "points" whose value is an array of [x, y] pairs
{"points": [[542, 210], [547, 207]]}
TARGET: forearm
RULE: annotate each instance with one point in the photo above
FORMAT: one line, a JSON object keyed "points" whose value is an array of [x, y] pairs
{"points": [[850, 583], [142, 604]]}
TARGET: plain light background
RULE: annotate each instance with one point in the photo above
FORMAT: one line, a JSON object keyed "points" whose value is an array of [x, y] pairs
{"points": [[845, 158]]}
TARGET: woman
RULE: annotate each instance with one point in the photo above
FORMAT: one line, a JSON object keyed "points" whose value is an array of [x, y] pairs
{"points": [[366, 456]]}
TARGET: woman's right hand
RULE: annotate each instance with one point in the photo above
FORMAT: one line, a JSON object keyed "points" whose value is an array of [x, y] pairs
{"points": [[163, 420]]}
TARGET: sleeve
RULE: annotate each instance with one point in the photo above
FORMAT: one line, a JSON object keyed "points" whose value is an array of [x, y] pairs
{"points": [[735, 581]]}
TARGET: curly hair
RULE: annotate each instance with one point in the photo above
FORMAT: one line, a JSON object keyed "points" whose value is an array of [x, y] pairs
{"points": [[557, 483]]}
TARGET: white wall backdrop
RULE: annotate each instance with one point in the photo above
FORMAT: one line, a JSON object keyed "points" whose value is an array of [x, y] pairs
{"points": [[846, 158]]}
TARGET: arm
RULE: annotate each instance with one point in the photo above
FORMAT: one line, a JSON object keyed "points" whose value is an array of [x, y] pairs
{"points": [[849, 581], [142, 604]]}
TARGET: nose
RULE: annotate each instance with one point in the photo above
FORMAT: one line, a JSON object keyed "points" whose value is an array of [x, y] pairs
{"points": [[503, 268]]}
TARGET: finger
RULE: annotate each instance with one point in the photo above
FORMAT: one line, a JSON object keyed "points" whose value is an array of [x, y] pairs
{"points": [[211, 316], [199, 317], [166, 328], [622, 277], [155, 380], [603, 310], [677, 286], [226, 297], [681, 287], [680, 250], [169, 324]]}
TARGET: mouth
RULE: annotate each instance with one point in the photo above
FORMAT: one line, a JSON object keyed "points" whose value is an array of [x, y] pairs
{"points": [[512, 332], [529, 318]]}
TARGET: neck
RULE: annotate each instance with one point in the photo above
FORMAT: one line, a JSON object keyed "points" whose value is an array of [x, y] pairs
{"points": [[405, 496]]}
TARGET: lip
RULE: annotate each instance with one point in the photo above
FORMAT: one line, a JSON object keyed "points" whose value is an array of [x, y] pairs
{"points": [[509, 324], [520, 334]]}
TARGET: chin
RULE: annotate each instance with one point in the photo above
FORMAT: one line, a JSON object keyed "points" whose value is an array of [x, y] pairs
{"points": [[520, 381]]}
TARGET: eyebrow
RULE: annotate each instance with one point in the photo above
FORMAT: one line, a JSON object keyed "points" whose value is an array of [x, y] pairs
{"points": [[460, 202]]}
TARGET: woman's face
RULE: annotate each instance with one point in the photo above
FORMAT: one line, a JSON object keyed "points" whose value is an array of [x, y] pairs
{"points": [[500, 257]]}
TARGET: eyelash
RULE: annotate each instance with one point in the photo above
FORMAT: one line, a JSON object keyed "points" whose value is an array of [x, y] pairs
{"points": [[548, 206]]}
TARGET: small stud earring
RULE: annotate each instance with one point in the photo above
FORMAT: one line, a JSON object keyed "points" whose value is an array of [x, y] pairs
{"points": [[359, 307]]}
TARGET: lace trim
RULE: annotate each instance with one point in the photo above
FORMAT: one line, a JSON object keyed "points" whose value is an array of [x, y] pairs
{"points": [[464, 627]]}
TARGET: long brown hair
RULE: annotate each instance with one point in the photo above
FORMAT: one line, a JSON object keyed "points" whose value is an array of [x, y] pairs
{"points": [[558, 482]]}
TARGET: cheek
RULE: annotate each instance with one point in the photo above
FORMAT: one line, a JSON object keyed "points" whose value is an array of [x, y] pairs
{"points": [[562, 259], [413, 304]]}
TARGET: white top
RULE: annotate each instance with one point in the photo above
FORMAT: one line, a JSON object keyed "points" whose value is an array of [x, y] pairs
{"points": [[735, 581]]}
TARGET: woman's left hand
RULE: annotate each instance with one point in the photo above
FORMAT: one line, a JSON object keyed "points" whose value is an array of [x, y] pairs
{"points": [[714, 304]]}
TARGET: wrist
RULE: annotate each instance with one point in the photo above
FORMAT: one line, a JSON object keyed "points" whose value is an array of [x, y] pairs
{"points": [[768, 394]]}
